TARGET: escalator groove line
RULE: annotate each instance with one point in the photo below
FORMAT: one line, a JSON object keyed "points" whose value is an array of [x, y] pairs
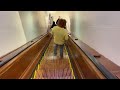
{"points": [[38, 73], [34, 74], [70, 64], [77, 66], [38, 67]]}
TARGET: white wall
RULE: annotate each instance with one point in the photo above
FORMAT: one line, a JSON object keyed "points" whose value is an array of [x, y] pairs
{"points": [[34, 23], [64, 15], [17, 28], [11, 31], [101, 31], [42, 17]]}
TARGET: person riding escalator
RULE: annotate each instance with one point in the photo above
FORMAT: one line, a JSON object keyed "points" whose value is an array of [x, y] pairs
{"points": [[60, 36]]}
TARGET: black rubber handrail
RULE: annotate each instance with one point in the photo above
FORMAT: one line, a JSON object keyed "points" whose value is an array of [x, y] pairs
{"points": [[103, 70], [6, 58]]}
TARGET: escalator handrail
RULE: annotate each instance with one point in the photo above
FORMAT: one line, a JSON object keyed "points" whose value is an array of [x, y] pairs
{"points": [[9, 56], [104, 71]]}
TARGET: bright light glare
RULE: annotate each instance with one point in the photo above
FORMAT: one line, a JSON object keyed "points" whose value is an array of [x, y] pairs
{"points": [[51, 11]]}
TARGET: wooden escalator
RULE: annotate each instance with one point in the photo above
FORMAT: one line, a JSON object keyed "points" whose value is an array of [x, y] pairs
{"points": [[52, 67]]}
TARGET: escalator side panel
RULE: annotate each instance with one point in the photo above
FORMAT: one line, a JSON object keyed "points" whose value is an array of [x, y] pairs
{"points": [[22, 65], [82, 64]]}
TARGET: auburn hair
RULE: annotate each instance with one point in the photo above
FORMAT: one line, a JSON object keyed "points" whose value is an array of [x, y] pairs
{"points": [[62, 23]]}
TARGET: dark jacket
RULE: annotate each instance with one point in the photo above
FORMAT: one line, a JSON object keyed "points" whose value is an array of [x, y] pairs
{"points": [[53, 25]]}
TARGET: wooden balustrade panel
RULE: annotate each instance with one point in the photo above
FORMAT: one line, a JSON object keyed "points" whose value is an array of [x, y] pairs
{"points": [[25, 62], [85, 66]]}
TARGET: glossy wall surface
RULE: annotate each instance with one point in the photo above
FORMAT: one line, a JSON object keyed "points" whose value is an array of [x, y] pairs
{"points": [[11, 31], [20, 27], [100, 30]]}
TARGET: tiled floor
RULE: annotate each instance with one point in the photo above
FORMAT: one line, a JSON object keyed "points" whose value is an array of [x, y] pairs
{"points": [[52, 67]]}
